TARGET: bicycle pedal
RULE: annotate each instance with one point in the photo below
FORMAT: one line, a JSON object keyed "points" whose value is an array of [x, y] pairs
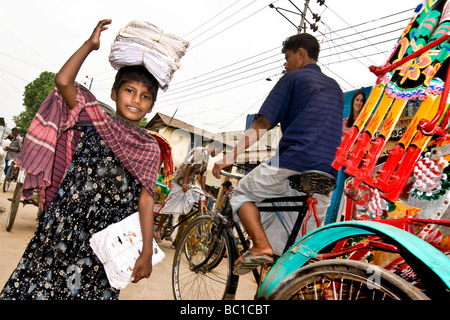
{"points": [[167, 237]]}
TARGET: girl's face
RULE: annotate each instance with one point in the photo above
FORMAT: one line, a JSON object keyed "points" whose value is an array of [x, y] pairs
{"points": [[133, 101], [358, 103]]}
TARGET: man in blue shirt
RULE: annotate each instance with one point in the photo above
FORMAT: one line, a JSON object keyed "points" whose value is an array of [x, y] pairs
{"points": [[308, 105]]}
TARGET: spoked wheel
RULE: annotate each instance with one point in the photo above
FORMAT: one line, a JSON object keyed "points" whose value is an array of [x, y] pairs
{"points": [[343, 279], [9, 176], [203, 263], [15, 201]]}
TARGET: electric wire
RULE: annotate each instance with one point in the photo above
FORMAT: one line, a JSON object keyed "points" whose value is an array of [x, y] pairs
{"points": [[239, 70], [229, 27], [251, 69], [209, 20], [215, 81], [341, 37], [350, 43], [173, 91]]}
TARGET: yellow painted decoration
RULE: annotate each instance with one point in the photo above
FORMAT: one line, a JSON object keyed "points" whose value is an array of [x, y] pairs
{"points": [[368, 108], [379, 114], [392, 118], [427, 110]]}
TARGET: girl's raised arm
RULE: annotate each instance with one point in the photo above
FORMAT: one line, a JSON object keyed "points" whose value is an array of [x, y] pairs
{"points": [[65, 78]]}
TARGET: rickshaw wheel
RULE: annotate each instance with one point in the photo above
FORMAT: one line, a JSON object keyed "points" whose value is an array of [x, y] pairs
{"points": [[341, 279], [8, 178], [14, 206]]}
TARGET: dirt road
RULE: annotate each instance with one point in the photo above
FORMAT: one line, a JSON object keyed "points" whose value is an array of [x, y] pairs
{"points": [[157, 287]]}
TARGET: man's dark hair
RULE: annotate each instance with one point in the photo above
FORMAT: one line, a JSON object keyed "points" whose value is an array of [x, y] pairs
{"points": [[136, 73], [305, 41]]}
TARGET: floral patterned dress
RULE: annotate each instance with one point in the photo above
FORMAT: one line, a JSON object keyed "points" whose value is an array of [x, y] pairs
{"points": [[58, 262]]}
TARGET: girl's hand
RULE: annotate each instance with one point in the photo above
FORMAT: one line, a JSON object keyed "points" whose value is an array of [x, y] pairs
{"points": [[94, 40], [142, 268]]}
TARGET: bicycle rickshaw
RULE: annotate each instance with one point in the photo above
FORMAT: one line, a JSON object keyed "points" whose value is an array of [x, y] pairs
{"points": [[162, 190], [396, 209], [392, 239]]}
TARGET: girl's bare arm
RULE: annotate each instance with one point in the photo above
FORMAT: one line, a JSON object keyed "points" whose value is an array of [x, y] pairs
{"points": [[65, 78], [143, 266]]}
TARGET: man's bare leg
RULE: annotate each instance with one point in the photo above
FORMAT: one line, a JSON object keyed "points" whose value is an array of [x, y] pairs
{"points": [[157, 232], [251, 219]]}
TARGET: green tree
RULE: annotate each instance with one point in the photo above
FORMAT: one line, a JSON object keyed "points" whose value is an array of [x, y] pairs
{"points": [[33, 96], [144, 121]]}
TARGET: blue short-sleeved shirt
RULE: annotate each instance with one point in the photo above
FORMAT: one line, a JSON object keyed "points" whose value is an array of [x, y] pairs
{"points": [[308, 105]]}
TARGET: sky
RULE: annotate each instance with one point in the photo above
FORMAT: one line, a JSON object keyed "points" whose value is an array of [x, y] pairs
{"points": [[233, 61]]}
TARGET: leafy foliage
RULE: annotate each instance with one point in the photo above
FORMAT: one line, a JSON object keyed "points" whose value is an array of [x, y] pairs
{"points": [[33, 96]]}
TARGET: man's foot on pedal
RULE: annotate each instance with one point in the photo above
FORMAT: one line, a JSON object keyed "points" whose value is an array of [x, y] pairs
{"points": [[250, 261]]}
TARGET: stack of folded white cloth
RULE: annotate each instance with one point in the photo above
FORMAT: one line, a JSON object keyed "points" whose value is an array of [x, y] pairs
{"points": [[142, 43]]}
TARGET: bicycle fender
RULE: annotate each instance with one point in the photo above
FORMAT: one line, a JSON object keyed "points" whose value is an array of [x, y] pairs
{"points": [[308, 246]]}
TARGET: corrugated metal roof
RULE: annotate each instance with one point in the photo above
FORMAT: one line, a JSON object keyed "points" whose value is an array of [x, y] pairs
{"points": [[162, 120]]}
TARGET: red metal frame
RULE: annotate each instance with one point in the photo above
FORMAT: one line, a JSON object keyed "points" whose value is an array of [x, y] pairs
{"points": [[396, 171], [359, 250]]}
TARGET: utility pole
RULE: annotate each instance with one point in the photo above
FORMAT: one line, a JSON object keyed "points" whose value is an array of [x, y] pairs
{"points": [[302, 21], [90, 83]]}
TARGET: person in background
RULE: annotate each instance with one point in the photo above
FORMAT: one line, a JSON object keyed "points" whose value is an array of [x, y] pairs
{"points": [[5, 143], [227, 188], [13, 150], [358, 101], [224, 207], [191, 174]]}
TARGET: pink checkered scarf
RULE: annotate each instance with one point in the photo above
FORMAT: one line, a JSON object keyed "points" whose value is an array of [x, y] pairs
{"points": [[133, 146]]}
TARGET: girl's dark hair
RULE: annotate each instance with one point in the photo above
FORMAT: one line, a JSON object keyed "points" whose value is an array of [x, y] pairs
{"points": [[136, 73], [351, 118], [305, 41]]}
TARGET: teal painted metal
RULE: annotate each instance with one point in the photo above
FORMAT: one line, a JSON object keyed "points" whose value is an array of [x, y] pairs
{"points": [[308, 247]]}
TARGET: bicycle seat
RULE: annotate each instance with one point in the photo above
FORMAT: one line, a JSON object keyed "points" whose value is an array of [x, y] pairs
{"points": [[313, 181]]}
